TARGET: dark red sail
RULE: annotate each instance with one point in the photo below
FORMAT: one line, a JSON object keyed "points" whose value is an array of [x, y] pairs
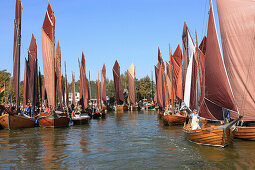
{"points": [[103, 83], [48, 54], [117, 83]]}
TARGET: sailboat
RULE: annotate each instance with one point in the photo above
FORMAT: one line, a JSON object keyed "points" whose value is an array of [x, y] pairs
{"points": [[173, 80], [105, 107], [50, 117], [236, 20], [12, 119], [217, 99], [131, 89], [120, 107]]}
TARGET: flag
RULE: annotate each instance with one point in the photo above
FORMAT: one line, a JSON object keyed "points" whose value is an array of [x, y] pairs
{"points": [[2, 89]]}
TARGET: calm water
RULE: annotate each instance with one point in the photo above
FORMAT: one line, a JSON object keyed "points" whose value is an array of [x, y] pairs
{"points": [[132, 140]]}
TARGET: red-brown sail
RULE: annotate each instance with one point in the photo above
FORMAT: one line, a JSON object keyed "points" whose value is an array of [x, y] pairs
{"points": [[48, 51], [58, 73], [117, 83], [217, 89], [202, 45], [16, 47], [131, 84], [103, 83], [159, 85], [185, 53], [236, 20], [177, 70], [25, 84], [193, 94], [32, 63]]}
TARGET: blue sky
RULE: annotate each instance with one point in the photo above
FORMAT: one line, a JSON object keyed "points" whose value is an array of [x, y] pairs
{"points": [[105, 30]]}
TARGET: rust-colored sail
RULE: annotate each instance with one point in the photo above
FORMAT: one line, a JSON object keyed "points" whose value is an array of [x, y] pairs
{"points": [[85, 81], [185, 53], [177, 72], [202, 45], [48, 54], [103, 83], [236, 18], [66, 88], [16, 47], [58, 73], [193, 94], [32, 63], [73, 90], [159, 85], [131, 84], [217, 90], [168, 81], [25, 89], [117, 83], [84, 88]]}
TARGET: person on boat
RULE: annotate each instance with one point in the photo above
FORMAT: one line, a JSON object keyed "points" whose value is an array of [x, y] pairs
{"points": [[195, 124], [28, 110]]}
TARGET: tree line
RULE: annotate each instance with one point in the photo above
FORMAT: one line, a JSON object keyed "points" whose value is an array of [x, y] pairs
{"points": [[144, 88]]}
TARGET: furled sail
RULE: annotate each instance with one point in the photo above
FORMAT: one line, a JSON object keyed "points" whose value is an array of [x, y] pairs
{"points": [[236, 18], [117, 83], [103, 83], [218, 94], [48, 54], [131, 84]]}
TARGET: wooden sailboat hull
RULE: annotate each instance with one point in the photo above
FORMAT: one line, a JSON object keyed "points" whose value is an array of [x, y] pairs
{"points": [[246, 133], [173, 119], [16, 122], [50, 121], [210, 136], [134, 108], [121, 108]]}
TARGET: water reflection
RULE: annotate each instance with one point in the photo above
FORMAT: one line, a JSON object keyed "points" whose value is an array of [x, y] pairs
{"points": [[129, 140]]}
